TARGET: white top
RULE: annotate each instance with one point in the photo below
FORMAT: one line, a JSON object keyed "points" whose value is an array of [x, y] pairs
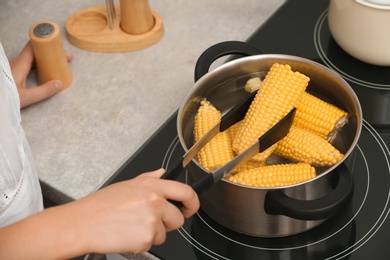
{"points": [[20, 192]]}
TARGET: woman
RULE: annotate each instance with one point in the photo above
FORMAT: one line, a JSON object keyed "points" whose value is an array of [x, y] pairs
{"points": [[130, 216]]}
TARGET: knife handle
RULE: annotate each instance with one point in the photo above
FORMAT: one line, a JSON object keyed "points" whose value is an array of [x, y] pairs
{"points": [[174, 171], [199, 187], [203, 184]]}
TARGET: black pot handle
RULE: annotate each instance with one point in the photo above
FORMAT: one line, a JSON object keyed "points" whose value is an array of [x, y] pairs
{"points": [[219, 50], [278, 203]]}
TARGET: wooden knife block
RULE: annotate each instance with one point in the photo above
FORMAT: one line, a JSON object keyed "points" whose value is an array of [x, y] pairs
{"points": [[89, 29]]}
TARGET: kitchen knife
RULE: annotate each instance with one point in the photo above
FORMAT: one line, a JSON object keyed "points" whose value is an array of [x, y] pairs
{"points": [[269, 138], [233, 116]]}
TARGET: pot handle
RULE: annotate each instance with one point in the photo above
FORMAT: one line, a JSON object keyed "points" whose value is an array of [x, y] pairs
{"points": [[278, 203], [219, 50]]}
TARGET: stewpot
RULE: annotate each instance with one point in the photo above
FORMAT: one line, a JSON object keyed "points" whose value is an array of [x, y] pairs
{"points": [[361, 28], [282, 211]]}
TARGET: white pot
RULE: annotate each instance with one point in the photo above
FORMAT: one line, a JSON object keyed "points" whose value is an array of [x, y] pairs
{"points": [[362, 29]]}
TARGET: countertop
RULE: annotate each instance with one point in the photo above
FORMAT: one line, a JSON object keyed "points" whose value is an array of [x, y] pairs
{"points": [[81, 136]]}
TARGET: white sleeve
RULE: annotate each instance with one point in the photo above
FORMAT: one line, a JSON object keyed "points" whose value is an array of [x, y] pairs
{"points": [[20, 193]]}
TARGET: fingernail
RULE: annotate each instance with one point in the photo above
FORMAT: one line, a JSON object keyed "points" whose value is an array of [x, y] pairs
{"points": [[161, 170], [58, 84]]}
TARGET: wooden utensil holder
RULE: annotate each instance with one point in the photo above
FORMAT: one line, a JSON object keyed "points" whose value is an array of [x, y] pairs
{"points": [[132, 25]]}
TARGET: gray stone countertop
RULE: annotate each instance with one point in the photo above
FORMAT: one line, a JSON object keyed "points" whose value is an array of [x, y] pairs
{"points": [[81, 136]]}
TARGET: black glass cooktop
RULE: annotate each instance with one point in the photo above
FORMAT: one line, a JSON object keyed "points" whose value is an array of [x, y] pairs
{"points": [[361, 231]]}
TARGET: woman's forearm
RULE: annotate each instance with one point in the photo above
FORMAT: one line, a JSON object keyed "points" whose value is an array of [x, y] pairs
{"points": [[51, 234], [129, 216]]}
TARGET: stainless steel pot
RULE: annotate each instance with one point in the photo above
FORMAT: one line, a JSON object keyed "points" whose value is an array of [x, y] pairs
{"points": [[271, 212]]}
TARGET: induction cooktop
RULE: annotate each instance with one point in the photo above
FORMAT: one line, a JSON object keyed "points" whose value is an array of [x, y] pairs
{"points": [[361, 231]]}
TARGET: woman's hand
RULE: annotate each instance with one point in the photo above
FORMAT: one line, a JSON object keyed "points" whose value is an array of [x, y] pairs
{"points": [[128, 216], [132, 216], [21, 67]]}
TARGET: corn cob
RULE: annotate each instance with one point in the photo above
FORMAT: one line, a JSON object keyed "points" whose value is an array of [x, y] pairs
{"points": [[247, 165], [302, 145], [279, 93], [253, 84], [312, 113], [319, 116], [218, 151], [275, 175], [233, 130]]}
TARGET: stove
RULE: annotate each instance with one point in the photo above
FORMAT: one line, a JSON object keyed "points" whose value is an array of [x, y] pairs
{"points": [[361, 231]]}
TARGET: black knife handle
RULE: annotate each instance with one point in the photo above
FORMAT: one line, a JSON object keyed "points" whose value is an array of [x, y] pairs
{"points": [[174, 171], [199, 187], [178, 204], [203, 184]]}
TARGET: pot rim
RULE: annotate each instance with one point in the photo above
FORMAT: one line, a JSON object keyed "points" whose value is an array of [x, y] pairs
{"points": [[378, 6], [285, 57]]}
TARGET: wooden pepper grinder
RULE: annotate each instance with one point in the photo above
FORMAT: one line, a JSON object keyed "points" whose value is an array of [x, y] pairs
{"points": [[136, 16], [49, 54]]}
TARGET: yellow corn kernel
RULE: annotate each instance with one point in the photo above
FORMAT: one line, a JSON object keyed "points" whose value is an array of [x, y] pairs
{"points": [[302, 145], [312, 113], [233, 130], [248, 165], [279, 93], [275, 175], [218, 151], [319, 116]]}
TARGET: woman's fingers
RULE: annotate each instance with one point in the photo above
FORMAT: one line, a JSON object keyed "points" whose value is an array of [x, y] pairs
{"points": [[183, 193], [21, 67], [154, 174], [68, 56], [174, 190], [33, 95]]}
